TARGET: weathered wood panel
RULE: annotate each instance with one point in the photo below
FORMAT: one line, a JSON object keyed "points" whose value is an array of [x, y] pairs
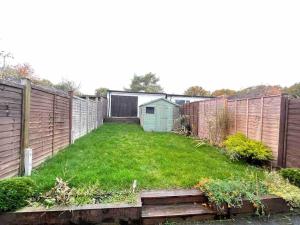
{"points": [[10, 128], [87, 115], [257, 118], [292, 135], [208, 111], [48, 124], [61, 123], [41, 125]]}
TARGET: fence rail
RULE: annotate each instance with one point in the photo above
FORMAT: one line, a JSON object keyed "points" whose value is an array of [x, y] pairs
{"points": [[44, 120], [274, 120]]}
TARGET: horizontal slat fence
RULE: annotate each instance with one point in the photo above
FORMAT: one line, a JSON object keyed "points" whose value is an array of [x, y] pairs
{"points": [[87, 115], [291, 134], [52, 115], [10, 128], [257, 118], [208, 111]]}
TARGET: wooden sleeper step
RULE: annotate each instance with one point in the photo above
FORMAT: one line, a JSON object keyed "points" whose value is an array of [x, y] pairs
{"points": [[167, 197], [159, 214]]}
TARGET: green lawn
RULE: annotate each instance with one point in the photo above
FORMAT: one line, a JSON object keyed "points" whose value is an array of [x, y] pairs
{"points": [[116, 154]]}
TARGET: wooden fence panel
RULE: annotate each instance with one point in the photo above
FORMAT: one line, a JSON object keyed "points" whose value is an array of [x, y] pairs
{"points": [[10, 128], [254, 119], [208, 111], [232, 107], [292, 136], [271, 122], [49, 123], [87, 115], [61, 109], [257, 118], [241, 116], [41, 126]]}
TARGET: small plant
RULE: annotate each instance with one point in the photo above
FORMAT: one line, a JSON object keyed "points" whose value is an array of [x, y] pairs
{"points": [[15, 193], [279, 186], [218, 128], [238, 146], [60, 194], [182, 125], [233, 192], [292, 174]]}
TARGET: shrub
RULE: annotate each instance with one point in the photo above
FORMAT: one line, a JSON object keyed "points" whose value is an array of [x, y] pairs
{"points": [[238, 146], [292, 174], [277, 185], [232, 192], [15, 193]]}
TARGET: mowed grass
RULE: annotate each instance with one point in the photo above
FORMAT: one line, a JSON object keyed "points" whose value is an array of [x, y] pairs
{"points": [[115, 155]]}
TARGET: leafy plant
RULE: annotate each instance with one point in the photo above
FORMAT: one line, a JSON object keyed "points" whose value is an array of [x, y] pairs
{"points": [[232, 192], [238, 146], [15, 193], [277, 185], [292, 174]]}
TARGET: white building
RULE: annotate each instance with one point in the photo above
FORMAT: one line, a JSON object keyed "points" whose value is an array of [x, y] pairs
{"points": [[126, 103]]}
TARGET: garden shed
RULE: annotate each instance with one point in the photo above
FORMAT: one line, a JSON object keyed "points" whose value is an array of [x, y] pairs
{"points": [[158, 115]]}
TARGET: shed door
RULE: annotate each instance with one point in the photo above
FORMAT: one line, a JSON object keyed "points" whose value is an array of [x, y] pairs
{"points": [[124, 106]]}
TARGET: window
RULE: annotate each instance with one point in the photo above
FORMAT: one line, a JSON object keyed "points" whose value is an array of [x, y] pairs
{"points": [[150, 110], [179, 102]]}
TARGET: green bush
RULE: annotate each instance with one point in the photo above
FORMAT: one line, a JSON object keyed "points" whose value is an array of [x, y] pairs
{"points": [[238, 146], [14, 193], [292, 174]]}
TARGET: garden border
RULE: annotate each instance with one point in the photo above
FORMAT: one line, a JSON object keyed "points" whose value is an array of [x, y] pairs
{"points": [[116, 213]]}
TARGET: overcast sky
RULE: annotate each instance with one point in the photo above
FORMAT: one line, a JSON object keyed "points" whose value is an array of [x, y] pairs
{"points": [[214, 44]]}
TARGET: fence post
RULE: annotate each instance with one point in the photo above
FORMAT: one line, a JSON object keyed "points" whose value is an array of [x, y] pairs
{"points": [[25, 122], [281, 161], [87, 114], [247, 117], [262, 118], [71, 94]]}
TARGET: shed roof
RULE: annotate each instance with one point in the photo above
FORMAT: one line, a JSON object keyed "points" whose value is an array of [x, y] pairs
{"points": [[159, 99]]}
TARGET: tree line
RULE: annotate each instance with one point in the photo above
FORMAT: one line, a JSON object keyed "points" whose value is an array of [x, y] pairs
{"points": [[141, 83], [150, 83]]}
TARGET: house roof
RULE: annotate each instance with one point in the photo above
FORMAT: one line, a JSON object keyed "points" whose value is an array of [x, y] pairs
{"points": [[159, 99], [160, 93]]}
